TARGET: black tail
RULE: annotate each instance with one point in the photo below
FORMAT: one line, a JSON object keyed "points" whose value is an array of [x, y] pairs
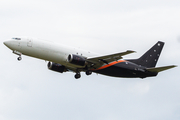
{"points": [[150, 58]]}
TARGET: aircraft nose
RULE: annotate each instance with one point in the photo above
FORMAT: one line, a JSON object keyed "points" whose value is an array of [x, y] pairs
{"points": [[7, 43]]}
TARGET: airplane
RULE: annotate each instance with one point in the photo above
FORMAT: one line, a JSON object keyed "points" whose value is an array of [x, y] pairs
{"points": [[64, 58]]}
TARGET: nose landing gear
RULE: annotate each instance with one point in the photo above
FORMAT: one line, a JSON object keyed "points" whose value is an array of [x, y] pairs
{"points": [[18, 53], [19, 58]]}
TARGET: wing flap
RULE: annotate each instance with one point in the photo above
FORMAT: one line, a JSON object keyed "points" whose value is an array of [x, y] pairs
{"points": [[160, 69]]}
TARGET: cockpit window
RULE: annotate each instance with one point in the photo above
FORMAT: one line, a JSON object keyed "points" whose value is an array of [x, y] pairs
{"points": [[17, 38]]}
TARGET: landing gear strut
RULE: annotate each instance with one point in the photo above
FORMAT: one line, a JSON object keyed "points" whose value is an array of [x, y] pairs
{"points": [[77, 75], [18, 53]]}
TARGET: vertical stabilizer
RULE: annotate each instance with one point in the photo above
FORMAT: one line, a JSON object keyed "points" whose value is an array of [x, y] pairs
{"points": [[150, 58]]}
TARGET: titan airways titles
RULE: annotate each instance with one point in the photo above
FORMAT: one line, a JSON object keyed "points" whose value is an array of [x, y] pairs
{"points": [[64, 58]]}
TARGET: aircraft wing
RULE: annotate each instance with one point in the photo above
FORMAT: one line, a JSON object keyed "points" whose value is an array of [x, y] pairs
{"points": [[100, 60]]}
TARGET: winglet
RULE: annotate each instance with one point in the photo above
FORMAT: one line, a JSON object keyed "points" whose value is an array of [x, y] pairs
{"points": [[160, 69], [130, 51], [127, 52]]}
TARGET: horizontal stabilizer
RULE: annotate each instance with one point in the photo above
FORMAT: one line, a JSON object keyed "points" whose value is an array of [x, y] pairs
{"points": [[159, 69]]}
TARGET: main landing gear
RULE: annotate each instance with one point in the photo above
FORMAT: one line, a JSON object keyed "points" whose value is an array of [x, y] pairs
{"points": [[78, 75], [88, 72]]}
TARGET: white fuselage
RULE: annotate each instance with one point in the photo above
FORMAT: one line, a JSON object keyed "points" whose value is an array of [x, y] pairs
{"points": [[46, 50]]}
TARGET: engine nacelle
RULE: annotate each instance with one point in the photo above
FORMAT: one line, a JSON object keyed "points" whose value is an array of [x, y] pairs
{"points": [[56, 67], [76, 59]]}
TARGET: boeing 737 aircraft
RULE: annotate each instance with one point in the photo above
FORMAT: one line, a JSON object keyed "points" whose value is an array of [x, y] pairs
{"points": [[64, 58]]}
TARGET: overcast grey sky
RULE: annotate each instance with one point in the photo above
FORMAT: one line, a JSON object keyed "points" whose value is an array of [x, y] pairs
{"points": [[29, 91]]}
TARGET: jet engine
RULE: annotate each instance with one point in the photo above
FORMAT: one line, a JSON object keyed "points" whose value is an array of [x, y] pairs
{"points": [[77, 60], [56, 67]]}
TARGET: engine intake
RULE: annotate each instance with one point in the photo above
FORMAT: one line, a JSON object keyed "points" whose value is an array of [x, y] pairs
{"points": [[77, 60], [56, 67]]}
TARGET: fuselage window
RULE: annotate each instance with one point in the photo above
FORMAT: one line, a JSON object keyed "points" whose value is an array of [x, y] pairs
{"points": [[16, 38]]}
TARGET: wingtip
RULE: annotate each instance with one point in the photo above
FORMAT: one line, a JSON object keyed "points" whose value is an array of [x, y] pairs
{"points": [[131, 51], [174, 66]]}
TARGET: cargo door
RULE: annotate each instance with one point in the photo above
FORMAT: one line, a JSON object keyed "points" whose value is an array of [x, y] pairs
{"points": [[29, 42]]}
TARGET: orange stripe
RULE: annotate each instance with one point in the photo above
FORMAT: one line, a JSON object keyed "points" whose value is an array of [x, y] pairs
{"points": [[110, 64]]}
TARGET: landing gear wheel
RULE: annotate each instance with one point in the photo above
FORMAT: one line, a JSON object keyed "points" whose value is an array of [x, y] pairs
{"points": [[19, 58], [88, 72], [77, 75]]}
